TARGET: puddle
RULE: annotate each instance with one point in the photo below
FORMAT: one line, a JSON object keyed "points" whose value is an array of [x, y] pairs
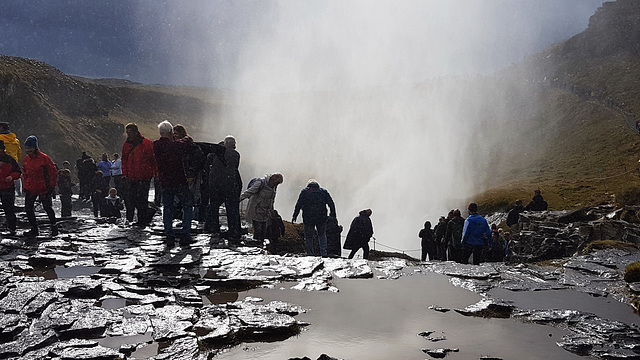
{"points": [[62, 272], [47, 274], [604, 307], [73, 271], [219, 298], [115, 303], [380, 319], [143, 352], [146, 351]]}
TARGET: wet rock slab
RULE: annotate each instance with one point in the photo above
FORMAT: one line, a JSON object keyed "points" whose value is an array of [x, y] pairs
{"points": [[160, 293]]}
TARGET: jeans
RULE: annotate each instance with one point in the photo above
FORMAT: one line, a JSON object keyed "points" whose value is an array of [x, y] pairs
{"points": [[322, 237], [232, 206], [168, 208]]}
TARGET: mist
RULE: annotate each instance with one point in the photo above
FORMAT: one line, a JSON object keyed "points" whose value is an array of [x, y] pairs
{"points": [[371, 100]]}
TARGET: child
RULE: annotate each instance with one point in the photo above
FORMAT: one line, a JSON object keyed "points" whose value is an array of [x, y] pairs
{"points": [[64, 187], [112, 204], [97, 192], [275, 228]]}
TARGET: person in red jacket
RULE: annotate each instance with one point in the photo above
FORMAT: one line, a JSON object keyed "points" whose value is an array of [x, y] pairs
{"points": [[40, 178], [9, 173], [138, 168]]}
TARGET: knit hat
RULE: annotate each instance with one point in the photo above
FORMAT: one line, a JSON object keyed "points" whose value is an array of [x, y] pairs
{"points": [[31, 142]]}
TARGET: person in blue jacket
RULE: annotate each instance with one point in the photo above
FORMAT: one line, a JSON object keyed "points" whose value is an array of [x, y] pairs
{"points": [[313, 202], [475, 234]]}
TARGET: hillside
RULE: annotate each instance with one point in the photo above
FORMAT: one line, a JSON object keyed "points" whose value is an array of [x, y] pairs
{"points": [[587, 104], [72, 114]]}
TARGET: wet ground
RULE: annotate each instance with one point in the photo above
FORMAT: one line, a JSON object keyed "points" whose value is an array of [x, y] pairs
{"points": [[104, 290]]}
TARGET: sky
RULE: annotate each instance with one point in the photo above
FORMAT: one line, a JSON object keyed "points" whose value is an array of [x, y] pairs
{"points": [[200, 42], [326, 89]]}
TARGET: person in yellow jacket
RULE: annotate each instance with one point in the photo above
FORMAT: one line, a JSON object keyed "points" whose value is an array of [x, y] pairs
{"points": [[12, 147]]}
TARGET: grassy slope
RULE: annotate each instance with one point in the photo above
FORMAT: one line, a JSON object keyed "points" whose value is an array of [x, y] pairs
{"points": [[591, 151]]}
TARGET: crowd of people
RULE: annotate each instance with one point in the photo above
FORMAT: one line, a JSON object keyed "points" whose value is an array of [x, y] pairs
{"points": [[458, 239], [193, 180]]}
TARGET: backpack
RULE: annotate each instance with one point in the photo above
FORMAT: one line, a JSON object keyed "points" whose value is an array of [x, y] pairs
{"points": [[253, 181]]}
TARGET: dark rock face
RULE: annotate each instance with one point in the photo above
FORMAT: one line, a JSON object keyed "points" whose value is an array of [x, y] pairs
{"points": [[559, 234]]}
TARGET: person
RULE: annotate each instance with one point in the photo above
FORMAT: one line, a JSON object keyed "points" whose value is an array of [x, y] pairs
{"points": [[98, 192], [65, 188], [225, 186], [194, 163], [13, 149], [9, 173], [476, 234], [497, 250], [513, 216], [138, 167], [453, 236], [333, 237], [105, 167], [112, 205], [86, 176], [169, 155], [440, 230], [261, 194], [360, 232], [116, 172], [537, 202], [40, 177], [427, 242], [275, 229], [313, 201]]}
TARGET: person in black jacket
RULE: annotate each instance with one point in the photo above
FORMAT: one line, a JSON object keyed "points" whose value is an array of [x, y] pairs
{"points": [[453, 236], [225, 186], [439, 231], [427, 242], [513, 216], [360, 232], [537, 203], [65, 186]]}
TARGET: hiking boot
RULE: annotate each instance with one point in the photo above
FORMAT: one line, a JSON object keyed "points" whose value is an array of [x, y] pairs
{"points": [[31, 233]]}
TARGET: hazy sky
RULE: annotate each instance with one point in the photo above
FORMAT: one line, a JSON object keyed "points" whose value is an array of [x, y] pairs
{"points": [[198, 42]]}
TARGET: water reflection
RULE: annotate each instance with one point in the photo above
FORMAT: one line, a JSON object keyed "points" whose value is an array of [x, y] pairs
{"points": [[62, 272], [219, 298], [380, 319], [73, 271], [605, 307]]}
